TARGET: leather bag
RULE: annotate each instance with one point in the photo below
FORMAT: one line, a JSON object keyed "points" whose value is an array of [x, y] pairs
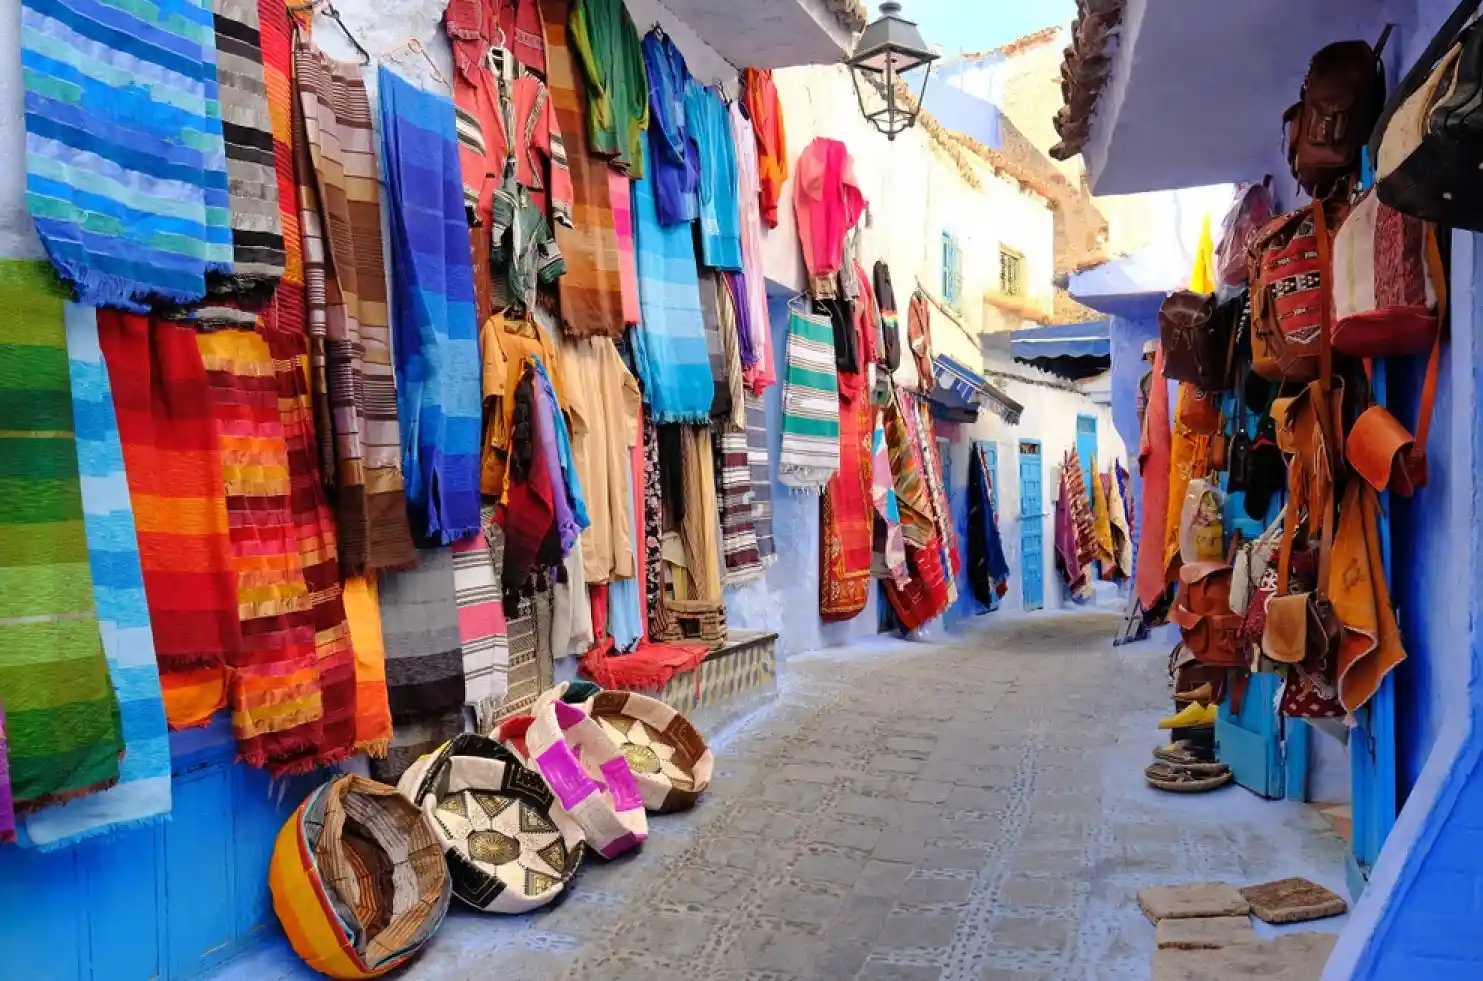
{"points": [[1388, 282], [1249, 214], [1207, 624], [1340, 102], [1290, 264], [1197, 345], [1385, 454]]}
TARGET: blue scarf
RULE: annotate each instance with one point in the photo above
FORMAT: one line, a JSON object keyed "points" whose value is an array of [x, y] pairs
{"points": [[433, 316], [987, 566], [674, 156]]}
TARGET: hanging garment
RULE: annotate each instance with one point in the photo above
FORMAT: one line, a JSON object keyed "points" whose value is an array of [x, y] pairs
{"points": [[1154, 465], [473, 25], [604, 402], [709, 125], [988, 569], [591, 291], [607, 44], [436, 347], [739, 550], [919, 338], [698, 527], [674, 158], [362, 605], [736, 286], [524, 253], [129, 214], [1068, 557], [142, 794], [760, 98], [670, 344], [761, 470], [885, 295], [1122, 535], [345, 275], [1080, 505], [1102, 523], [826, 202], [810, 446], [888, 544], [572, 501], [924, 595], [654, 521], [919, 428], [163, 403], [1369, 645], [753, 312], [505, 343], [710, 316], [846, 518], [481, 625], [620, 192], [65, 727]]}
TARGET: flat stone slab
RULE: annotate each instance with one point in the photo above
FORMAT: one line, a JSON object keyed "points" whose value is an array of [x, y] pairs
{"points": [[1205, 933], [1198, 899], [1293, 901], [1296, 957]]}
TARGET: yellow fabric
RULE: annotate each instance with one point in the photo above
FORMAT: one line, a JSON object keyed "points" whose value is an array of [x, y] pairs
{"points": [[312, 928], [505, 342], [1202, 276], [699, 531], [1102, 522], [372, 711], [604, 402]]}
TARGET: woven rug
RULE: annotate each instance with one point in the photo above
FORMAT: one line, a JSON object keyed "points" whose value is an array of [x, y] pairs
{"points": [[86, 66], [345, 281], [142, 794], [758, 458], [810, 449], [437, 348], [846, 522], [68, 740], [532, 664]]}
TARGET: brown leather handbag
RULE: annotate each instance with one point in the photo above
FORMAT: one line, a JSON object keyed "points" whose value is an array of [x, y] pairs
{"points": [[1197, 338], [1208, 626]]}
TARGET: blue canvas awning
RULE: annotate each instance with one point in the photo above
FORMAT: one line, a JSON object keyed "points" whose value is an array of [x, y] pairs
{"points": [[960, 390], [1090, 340]]}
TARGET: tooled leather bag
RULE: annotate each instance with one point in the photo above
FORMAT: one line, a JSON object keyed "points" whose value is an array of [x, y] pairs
{"points": [[1208, 626]]}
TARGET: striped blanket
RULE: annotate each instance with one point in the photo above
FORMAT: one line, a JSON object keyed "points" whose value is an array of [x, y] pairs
{"points": [[810, 450], [136, 212], [436, 338], [142, 793], [758, 456], [275, 31], [372, 711], [65, 729], [739, 549], [257, 229], [345, 282], [670, 344], [481, 624]]}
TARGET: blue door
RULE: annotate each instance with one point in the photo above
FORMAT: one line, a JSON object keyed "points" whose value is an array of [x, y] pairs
{"points": [[991, 460], [1086, 448], [1032, 525]]}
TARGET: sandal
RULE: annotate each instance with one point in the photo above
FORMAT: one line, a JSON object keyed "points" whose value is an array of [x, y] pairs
{"points": [[1181, 780], [1183, 753]]}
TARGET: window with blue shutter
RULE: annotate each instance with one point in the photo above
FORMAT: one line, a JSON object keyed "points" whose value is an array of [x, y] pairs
{"points": [[952, 271]]}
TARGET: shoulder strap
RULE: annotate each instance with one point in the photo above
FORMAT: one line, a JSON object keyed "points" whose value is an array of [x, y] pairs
{"points": [[1422, 68], [1434, 363]]}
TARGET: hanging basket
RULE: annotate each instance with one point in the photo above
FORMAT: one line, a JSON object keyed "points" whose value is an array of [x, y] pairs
{"points": [[669, 758], [358, 879], [678, 621], [510, 846]]}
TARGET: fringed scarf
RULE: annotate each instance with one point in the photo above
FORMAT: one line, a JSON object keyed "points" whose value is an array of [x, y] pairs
{"points": [[698, 526], [988, 569], [164, 407], [481, 625], [345, 278], [437, 348], [739, 548], [66, 734], [757, 459], [130, 213], [846, 526], [810, 450]]}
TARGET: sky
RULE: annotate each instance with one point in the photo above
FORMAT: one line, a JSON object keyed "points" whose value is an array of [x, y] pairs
{"points": [[976, 25]]}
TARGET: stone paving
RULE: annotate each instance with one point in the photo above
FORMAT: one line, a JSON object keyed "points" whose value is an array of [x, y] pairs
{"points": [[970, 810]]}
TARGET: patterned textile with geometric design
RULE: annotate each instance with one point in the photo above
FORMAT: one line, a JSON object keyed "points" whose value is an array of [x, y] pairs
{"points": [[746, 664]]}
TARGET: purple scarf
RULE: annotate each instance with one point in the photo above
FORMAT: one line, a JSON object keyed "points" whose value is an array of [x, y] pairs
{"points": [[736, 282]]}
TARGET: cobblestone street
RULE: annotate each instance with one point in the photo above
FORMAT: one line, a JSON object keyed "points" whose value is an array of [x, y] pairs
{"points": [[972, 810]]}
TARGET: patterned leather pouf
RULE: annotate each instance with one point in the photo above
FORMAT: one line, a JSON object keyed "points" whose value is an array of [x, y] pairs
{"points": [[669, 758]]}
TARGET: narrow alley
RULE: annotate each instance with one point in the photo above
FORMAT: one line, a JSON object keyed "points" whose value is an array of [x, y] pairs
{"points": [[971, 810]]}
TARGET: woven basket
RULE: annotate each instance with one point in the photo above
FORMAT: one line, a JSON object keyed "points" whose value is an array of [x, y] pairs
{"points": [[669, 758], [590, 778], [677, 621], [510, 846], [358, 879]]}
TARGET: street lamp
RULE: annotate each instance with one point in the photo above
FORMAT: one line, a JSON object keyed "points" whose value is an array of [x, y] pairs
{"points": [[890, 47]]}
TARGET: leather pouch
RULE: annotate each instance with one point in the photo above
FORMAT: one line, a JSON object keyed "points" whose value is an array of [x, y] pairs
{"points": [[1203, 614], [1289, 622], [1385, 454]]}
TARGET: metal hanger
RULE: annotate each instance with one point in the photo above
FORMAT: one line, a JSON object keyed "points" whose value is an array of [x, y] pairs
{"points": [[414, 46], [327, 8]]}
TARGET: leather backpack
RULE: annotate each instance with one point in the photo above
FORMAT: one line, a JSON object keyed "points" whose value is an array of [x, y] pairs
{"points": [[1196, 342], [1290, 267], [1341, 100], [1207, 624]]}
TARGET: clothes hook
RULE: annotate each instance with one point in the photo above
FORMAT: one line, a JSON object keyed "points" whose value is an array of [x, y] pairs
{"points": [[328, 9], [415, 46]]}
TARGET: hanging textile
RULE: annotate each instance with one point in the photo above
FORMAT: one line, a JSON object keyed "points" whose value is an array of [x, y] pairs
{"points": [[654, 521], [753, 312], [698, 527], [607, 45], [163, 403], [1369, 645], [566, 471], [1122, 535], [919, 426], [988, 569], [88, 66], [620, 192], [670, 344], [827, 202], [287, 311], [737, 288], [1154, 464], [1102, 524], [591, 291], [1080, 505], [709, 126], [481, 625], [524, 254], [362, 606], [7, 798], [846, 525], [505, 343], [436, 349], [69, 740], [919, 338], [345, 275], [758, 458], [710, 316], [867, 315], [604, 404], [739, 549], [924, 595], [810, 445], [142, 794], [731, 362], [627, 622], [1068, 552], [674, 159], [885, 295], [847, 364], [888, 544], [766, 112], [573, 629]]}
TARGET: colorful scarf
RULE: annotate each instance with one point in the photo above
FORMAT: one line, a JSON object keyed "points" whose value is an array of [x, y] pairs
{"points": [[698, 527], [736, 287], [1068, 549], [129, 213], [885, 296], [620, 193], [372, 711], [7, 799], [54, 666], [1102, 523], [826, 203], [437, 347], [1080, 503], [988, 569], [1122, 532], [164, 407], [653, 552], [710, 316], [888, 550], [345, 277], [142, 794], [765, 110], [757, 458], [752, 312], [1154, 466], [626, 598], [731, 360], [257, 229], [674, 158], [846, 527], [924, 595], [919, 338], [275, 28], [919, 425], [739, 549], [810, 449], [670, 343], [591, 292], [481, 624]]}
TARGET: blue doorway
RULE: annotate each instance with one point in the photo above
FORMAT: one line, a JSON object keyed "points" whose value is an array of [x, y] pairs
{"points": [[1032, 524]]}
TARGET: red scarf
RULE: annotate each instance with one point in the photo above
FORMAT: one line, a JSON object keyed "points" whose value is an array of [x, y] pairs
{"points": [[844, 581]]}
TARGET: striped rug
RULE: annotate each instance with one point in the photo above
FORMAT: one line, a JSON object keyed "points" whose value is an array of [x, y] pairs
{"points": [[741, 558], [481, 624], [810, 450], [759, 457]]}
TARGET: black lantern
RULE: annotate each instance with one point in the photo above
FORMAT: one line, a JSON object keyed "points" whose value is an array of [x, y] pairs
{"points": [[890, 47]]}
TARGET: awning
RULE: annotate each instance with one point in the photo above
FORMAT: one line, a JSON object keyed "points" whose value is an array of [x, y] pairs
{"points": [[1090, 340], [959, 389]]}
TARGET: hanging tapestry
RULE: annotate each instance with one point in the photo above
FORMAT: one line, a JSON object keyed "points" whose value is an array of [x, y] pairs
{"points": [[810, 447], [919, 424], [757, 458], [671, 340], [345, 276], [137, 213], [591, 292], [924, 595], [163, 403], [988, 569], [1154, 466], [729, 330], [287, 311], [846, 526], [436, 343], [69, 739]]}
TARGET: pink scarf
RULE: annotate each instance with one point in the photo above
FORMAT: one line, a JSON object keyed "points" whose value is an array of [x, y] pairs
{"points": [[826, 202]]}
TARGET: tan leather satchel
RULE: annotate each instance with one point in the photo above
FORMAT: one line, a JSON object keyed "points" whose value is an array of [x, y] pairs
{"points": [[1209, 627]]}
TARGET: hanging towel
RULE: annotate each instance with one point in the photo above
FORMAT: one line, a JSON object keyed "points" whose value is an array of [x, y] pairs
{"points": [[142, 794], [757, 458], [372, 711], [739, 550], [670, 343], [481, 624], [810, 449], [345, 279], [52, 665], [126, 170], [257, 229], [846, 526], [436, 338], [163, 402]]}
